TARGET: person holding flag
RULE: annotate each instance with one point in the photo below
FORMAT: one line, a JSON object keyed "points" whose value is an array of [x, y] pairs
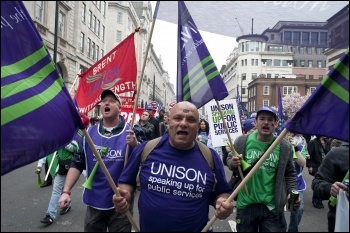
{"points": [[178, 201], [111, 137], [269, 187]]}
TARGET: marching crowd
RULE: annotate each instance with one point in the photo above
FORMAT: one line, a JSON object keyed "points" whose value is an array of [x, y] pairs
{"points": [[171, 160]]}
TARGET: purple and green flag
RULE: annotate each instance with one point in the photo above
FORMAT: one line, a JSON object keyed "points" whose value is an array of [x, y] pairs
{"points": [[198, 79], [326, 112], [280, 112], [38, 115]]}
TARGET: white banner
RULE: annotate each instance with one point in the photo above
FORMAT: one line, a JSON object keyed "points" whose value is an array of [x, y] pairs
{"points": [[217, 130]]}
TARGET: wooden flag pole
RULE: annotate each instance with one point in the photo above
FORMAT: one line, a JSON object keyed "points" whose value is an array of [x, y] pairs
{"points": [[76, 77], [250, 174], [108, 175], [139, 86], [232, 146]]}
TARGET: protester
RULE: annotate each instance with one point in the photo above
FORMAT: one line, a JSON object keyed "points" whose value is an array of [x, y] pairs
{"points": [[176, 200], [64, 156], [43, 162], [146, 126], [299, 144], [328, 179], [248, 126], [110, 138], [166, 119], [161, 123], [153, 120], [269, 187], [317, 149], [203, 131]]}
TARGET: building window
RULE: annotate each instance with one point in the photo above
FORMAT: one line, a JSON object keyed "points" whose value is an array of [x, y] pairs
{"points": [[94, 23], [305, 38], [296, 37], [242, 47], [39, 11], [292, 49], [102, 53], [309, 63], [295, 63], [82, 41], [83, 11], [273, 48], [312, 89], [309, 50], [244, 77], [276, 75], [268, 62], [287, 36], [311, 77], [314, 38], [93, 51], [242, 61], [119, 17], [272, 36], [256, 62], [302, 63], [268, 75], [97, 49], [266, 90], [254, 76], [103, 33], [319, 64], [284, 63], [243, 91], [276, 62], [119, 36], [287, 90], [301, 50], [266, 103], [252, 63], [104, 8], [88, 47], [61, 24], [247, 45], [98, 28], [323, 38], [89, 19], [245, 62], [320, 77], [318, 51]]}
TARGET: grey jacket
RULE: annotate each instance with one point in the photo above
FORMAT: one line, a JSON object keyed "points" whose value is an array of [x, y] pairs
{"points": [[286, 174]]}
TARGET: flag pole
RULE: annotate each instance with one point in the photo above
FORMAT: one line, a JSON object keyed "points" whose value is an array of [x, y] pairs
{"points": [[108, 175], [231, 144], [48, 170], [250, 174], [76, 77], [138, 90]]}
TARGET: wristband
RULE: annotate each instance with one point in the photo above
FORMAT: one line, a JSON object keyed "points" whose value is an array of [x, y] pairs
{"points": [[68, 192]]}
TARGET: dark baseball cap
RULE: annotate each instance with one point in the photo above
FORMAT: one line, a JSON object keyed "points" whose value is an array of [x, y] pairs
{"points": [[109, 92], [267, 109]]}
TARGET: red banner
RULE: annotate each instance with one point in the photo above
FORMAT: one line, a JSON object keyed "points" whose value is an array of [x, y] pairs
{"points": [[116, 71], [127, 114]]}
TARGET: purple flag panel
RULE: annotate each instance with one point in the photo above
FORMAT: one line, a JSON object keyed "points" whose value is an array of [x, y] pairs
{"points": [[38, 115], [198, 79], [326, 112]]}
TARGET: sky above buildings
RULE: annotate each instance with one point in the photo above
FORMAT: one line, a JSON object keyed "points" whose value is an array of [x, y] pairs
{"points": [[221, 22]]}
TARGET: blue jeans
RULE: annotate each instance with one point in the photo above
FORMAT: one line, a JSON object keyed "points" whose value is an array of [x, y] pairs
{"points": [[58, 182], [295, 216], [258, 218]]}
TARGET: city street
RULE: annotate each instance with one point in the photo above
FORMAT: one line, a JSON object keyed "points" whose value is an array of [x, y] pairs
{"points": [[24, 204]]}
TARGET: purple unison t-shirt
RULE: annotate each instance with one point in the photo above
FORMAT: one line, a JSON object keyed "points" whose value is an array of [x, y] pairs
{"points": [[176, 187]]}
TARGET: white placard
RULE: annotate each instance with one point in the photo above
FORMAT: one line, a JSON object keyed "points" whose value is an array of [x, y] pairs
{"points": [[231, 115]]}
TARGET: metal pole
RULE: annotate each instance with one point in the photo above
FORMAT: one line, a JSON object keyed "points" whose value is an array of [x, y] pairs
{"points": [[154, 86], [56, 32]]}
